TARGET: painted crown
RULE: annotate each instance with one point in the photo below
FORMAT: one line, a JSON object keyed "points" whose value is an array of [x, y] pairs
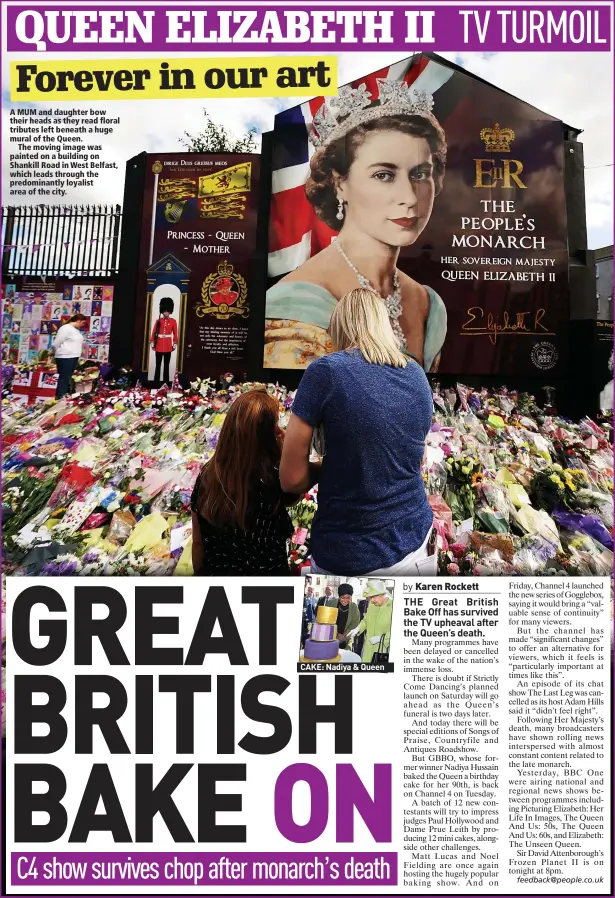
{"points": [[497, 140], [355, 105]]}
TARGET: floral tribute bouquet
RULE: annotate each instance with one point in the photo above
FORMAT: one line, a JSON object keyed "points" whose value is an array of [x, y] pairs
{"points": [[302, 515], [558, 486], [458, 559], [465, 472]]}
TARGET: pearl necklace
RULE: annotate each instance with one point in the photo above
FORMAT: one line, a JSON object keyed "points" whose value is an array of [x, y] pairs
{"points": [[392, 301]]}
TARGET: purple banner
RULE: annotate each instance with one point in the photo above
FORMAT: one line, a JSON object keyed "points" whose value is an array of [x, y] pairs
{"points": [[197, 868], [344, 27]]}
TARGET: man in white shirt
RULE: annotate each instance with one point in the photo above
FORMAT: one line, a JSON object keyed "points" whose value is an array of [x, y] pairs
{"points": [[67, 347]]}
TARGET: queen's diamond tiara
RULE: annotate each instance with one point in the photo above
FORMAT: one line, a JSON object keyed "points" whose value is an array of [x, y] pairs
{"points": [[355, 105]]}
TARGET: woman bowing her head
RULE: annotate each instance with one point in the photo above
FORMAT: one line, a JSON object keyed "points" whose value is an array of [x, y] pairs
{"points": [[240, 524]]}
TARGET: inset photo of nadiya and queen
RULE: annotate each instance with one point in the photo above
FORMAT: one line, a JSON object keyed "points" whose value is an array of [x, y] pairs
{"points": [[346, 621]]}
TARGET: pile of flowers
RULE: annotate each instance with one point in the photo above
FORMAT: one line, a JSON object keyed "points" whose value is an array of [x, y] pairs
{"points": [[100, 483], [515, 490]]}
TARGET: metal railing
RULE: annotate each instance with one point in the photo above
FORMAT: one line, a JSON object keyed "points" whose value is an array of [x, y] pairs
{"points": [[60, 241]]}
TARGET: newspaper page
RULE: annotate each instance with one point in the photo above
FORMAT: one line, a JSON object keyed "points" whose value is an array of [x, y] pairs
{"points": [[307, 358]]}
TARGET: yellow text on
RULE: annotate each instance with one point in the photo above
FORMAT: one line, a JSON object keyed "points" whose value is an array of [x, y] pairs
{"points": [[153, 79]]}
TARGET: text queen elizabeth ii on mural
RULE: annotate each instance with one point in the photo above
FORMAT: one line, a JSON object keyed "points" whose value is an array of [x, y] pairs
{"points": [[374, 176]]}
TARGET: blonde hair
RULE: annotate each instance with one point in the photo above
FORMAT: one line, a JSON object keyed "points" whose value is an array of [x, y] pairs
{"points": [[360, 321]]}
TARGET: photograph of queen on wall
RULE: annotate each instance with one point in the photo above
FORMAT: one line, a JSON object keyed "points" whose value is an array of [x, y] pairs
{"points": [[377, 169]]}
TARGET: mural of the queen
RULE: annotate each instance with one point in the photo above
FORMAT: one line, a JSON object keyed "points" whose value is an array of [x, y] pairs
{"points": [[379, 164]]}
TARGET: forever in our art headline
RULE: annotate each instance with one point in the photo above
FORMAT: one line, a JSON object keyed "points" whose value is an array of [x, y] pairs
{"points": [[157, 79]]}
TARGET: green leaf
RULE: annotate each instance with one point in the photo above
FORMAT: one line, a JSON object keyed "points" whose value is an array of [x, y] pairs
{"points": [[215, 138]]}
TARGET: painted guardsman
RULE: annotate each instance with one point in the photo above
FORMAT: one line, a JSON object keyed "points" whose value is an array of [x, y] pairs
{"points": [[164, 339]]}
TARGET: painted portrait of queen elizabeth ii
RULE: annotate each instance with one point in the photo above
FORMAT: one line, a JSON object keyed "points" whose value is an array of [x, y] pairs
{"points": [[378, 166]]}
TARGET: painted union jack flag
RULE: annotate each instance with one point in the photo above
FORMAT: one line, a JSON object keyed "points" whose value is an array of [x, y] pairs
{"points": [[295, 233]]}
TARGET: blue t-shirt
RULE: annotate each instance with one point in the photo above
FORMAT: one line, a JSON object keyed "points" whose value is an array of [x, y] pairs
{"points": [[372, 507]]}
